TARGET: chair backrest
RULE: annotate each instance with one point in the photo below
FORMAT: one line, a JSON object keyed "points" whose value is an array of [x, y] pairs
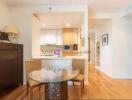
{"points": [[32, 65], [79, 64]]}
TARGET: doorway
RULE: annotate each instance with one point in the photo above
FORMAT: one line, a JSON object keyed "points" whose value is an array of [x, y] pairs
{"points": [[97, 57], [91, 48]]}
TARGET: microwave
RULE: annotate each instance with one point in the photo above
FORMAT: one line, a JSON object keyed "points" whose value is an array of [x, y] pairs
{"points": [[67, 47]]}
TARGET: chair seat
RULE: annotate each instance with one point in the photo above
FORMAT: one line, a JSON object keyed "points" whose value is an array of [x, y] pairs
{"points": [[33, 83], [80, 77]]}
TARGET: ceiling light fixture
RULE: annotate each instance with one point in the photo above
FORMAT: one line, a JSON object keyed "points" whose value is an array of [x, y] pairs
{"points": [[44, 25], [67, 24]]}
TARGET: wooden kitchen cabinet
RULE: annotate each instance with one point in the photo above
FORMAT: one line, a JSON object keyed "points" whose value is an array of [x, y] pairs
{"points": [[70, 36], [51, 36]]}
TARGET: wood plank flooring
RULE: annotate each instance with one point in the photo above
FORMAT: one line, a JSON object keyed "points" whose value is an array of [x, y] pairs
{"points": [[100, 87]]}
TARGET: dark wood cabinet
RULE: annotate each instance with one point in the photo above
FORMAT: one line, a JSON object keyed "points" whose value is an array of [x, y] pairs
{"points": [[11, 66]]}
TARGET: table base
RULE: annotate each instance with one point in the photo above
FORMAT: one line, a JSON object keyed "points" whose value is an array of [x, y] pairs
{"points": [[56, 91]]}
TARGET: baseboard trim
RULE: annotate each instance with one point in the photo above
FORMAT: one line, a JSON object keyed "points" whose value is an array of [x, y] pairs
{"points": [[98, 68], [91, 63], [86, 83], [114, 76]]}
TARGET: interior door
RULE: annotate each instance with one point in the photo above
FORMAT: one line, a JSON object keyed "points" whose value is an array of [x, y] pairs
{"points": [[98, 54]]}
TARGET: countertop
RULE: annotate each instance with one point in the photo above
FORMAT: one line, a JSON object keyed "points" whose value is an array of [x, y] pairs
{"points": [[58, 57]]}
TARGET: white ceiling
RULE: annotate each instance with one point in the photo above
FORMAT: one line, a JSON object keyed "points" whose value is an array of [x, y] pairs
{"points": [[44, 2], [59, 20], [108, 6], [98, 6]]}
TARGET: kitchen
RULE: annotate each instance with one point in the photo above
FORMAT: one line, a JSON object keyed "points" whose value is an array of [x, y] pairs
{"points": [[59, 42]]}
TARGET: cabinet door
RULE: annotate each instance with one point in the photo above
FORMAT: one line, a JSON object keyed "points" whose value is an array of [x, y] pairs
{"points": [[59, 37], [48, 37], [70, 36], [11, 66]]}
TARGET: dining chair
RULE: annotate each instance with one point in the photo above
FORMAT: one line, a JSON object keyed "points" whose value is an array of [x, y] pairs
{"points": [[30, 66], [79, 64]]}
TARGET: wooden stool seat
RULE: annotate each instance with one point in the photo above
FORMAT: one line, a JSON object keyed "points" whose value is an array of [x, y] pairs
{"points": [[33, 83], [80, 77]]}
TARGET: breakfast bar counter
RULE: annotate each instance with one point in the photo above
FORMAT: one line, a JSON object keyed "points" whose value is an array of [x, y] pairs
{"points": [[58, 57]]}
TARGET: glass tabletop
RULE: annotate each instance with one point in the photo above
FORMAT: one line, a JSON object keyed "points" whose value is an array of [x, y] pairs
{"points": [[53, 75]]}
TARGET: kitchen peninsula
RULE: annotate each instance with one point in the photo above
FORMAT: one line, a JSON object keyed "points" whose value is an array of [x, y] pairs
{"points": [[58, 61], [57, 57]]}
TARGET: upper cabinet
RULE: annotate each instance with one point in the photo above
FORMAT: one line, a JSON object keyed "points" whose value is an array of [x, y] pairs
{"points": [[70, 36], [59, 37], [66, 36], [51, 37]]}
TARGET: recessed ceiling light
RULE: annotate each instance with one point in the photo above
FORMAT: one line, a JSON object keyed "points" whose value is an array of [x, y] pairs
{"points": [[44, 25], [67, 24]]}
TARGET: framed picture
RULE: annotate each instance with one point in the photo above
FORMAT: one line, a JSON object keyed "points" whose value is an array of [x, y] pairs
{"points": [[75, 47], [104, 39]]}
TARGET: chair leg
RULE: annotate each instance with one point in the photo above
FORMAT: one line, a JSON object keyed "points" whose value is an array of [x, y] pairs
{"points": [[27, 90], [81, 89], [40, 92], [73, 83], [83, 84], [31, 93]]}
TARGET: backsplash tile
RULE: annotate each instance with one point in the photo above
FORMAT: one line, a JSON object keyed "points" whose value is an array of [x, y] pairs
{"points": [[48, 50]]}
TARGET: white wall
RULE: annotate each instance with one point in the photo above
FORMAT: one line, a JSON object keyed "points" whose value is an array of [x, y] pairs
{"points": [[4, 15], [115, 59], [85, 48], [105, 51], [23, 20], [35, 36], [92, 47], [122, 47], [100, 27]]}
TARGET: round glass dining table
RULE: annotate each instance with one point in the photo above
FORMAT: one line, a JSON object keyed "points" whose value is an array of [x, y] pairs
{"points": [[55, 80]]}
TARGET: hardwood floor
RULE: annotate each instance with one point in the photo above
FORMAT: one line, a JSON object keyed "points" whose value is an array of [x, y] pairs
{"points": [[100, 87]]}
